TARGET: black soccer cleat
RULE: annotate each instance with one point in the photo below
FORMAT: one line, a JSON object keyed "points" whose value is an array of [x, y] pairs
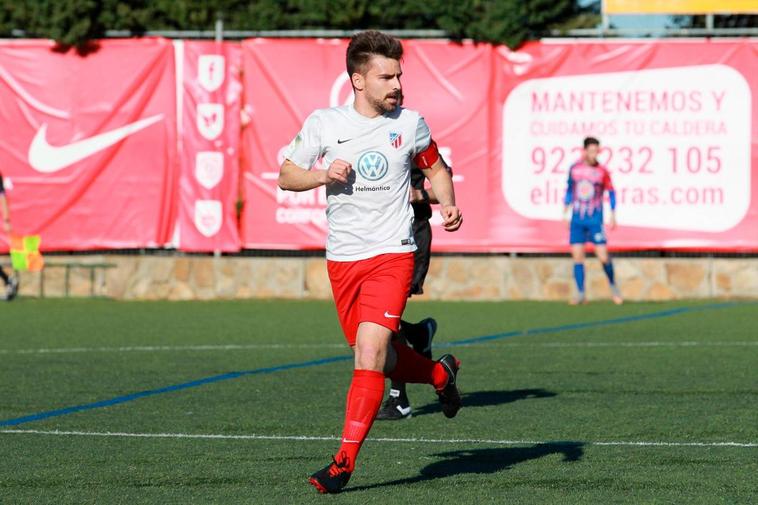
{"points": [[421, 341], [449, 397], [333, 477], [395, 408]]}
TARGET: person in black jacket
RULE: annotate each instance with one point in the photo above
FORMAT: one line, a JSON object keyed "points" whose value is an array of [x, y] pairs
{"points": [[11, 282]]}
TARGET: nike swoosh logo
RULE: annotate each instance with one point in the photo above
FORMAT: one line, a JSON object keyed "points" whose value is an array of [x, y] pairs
{"points": [[390, 316], [340, 141], [49, 159]]}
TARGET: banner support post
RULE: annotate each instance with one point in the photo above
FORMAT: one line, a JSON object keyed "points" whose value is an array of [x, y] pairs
{"points": [[219, 26], [605, 23]]}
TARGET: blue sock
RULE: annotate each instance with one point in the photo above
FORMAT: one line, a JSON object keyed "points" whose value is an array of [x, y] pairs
{"points": [[579, 277], [608, 267]]}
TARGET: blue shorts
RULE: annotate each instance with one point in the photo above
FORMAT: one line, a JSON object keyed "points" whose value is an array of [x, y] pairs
{"points": [[583, 231]]}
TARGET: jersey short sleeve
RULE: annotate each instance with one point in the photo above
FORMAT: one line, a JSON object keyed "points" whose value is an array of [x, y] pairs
{"points": [[306, 147], [607, 184], [423, 136]]}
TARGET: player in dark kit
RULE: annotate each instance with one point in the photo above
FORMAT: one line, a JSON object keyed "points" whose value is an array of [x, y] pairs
{"points": [[418, 335], [11, 283]]}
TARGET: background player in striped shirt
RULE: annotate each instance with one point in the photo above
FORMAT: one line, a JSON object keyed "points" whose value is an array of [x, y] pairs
{"points": [[588, 181]]}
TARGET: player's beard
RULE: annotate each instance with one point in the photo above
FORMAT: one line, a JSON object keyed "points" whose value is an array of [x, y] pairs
{"points": [[384, 104]]}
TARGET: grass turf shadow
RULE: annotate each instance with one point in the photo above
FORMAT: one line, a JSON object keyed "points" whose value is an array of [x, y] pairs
{"points": [[483, 461], [487, 399]]}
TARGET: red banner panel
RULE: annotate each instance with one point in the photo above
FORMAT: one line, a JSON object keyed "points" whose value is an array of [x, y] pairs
{"points": [[88, 144], [675, 120], [285, 80], [91, 156], [209, 92]]}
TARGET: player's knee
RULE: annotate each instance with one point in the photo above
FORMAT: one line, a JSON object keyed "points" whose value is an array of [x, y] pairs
{"points": [[370, 357]]}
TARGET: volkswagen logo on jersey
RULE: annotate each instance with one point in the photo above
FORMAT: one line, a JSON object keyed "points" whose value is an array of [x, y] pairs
{"points": [[372, 165]]}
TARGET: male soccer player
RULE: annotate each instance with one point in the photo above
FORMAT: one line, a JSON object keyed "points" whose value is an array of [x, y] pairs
{"points": [[588, 180], [418, 335], [368, 147], [11, 283]]}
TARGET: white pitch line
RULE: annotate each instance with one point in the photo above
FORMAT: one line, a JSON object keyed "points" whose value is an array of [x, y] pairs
{"points": [[323, 345], [154, 348], [616, 443]]}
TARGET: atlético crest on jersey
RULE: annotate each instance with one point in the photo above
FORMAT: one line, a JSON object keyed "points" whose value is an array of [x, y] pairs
{"points": [[396, 140]]}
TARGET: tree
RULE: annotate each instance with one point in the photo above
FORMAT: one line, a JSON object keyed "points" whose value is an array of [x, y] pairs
{"points": [[77, 22]]}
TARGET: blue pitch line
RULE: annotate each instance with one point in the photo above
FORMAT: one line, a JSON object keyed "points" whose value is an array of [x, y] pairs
{"points": [[334, 359], [168, 389], [583, 325]]}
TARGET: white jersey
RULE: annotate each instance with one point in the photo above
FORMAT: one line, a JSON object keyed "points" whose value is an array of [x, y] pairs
{"points": [[371, 214]]}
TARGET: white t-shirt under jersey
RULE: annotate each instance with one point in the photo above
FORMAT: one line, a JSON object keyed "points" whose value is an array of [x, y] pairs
{"points": [[371, 214]]}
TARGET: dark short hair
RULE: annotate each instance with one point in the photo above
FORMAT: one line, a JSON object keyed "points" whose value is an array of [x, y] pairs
{"points": [[364, 45], [591, 141]]}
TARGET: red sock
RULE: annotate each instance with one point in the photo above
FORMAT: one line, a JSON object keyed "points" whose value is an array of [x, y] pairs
{"points": [[413, 368], [363, 401]]}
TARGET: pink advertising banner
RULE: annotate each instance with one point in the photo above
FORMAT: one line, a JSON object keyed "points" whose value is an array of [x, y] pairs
{"points": [[88, 144], [674, 118], [210, 95], [148, 143]]}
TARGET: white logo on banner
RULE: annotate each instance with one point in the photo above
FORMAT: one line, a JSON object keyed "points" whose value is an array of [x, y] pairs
{"points": [[47, 158], [208, 217], [676, 141], [210, 119], [341, 92], [209, 168], [521, 61], [210, 71]]}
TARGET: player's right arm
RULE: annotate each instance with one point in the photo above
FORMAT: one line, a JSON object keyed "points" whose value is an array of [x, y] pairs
{"points": [[295, 174], [295, 178], [569, 196]]}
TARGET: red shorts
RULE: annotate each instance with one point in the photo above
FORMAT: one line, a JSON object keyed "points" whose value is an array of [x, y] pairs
{"points": [[371, 290]]}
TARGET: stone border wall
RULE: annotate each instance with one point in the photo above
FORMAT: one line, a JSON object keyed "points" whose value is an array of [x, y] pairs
{"points": [[450, 278]]}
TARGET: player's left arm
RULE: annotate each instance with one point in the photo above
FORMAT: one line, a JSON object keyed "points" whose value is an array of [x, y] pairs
{"points": [[426, 195], [434, 168], [608, 186]]}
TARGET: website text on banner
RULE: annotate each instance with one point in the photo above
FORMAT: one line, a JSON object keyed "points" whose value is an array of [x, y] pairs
{"points": [[88, 145], [674, 120], [285, 80], [210, 96]]}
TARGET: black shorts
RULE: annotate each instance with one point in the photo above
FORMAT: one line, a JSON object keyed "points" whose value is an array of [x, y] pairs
{"points": [[422, 234]]}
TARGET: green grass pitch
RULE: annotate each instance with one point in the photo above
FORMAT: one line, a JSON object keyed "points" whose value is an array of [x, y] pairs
{"points": [[642, 403]]}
